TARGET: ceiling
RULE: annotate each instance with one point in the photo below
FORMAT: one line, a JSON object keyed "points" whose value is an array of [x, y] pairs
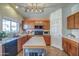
{"points": [[49, 8]]}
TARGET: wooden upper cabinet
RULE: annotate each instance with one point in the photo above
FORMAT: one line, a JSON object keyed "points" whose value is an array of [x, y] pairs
{"points": [[70, 22], [73, 21], [77, 20], [46, 25], [33, 22]]}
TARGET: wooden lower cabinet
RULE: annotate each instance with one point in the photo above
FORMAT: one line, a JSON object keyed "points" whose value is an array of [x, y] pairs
{"points": [[47, 39], [70, 47], [29, 36], [21, 42], [64, 45], [73, 50]]}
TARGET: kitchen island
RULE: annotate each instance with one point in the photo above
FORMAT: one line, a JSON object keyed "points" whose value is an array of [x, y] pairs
{"points": [[35, 46]]}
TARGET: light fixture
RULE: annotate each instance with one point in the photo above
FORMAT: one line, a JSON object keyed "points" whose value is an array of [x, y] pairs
{"points": [[16, 6], [34, 7]]}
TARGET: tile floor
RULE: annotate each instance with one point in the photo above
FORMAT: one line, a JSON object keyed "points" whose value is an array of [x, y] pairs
{"points": [[52, 51]]}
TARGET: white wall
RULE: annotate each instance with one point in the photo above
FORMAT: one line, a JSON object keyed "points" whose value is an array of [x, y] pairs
{"points": [[61, 22], [56, 39], [7, 11], [56, 29], [66, 11]]}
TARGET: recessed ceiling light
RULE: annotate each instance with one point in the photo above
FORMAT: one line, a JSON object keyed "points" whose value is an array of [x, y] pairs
{"points": [[16, 6]]}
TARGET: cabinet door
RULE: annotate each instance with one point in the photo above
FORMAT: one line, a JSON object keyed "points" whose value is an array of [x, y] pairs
{"points": [[19, 45], [21, 42], [46, 25], [65, 45], [72, 50], [71, 22], [25, 39], [28, 37], [47, 40], [77, 20], [69, 48]]}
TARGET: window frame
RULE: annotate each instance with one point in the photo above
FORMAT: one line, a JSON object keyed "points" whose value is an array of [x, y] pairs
{"points": [[11, 20]]}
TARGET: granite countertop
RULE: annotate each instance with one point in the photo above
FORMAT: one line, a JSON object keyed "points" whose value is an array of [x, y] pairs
{"points": [[9, 39], [35, 41], [71, 38]]}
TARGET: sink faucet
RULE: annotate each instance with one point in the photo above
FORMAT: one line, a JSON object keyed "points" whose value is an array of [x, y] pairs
{"points": [[71, 35]]}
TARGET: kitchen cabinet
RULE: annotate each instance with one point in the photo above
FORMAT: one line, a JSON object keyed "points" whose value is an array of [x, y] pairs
{"points": [[70, 22], [77, 20], [47, 40], [29, 36], [10, 48], [46, 25], [36, 21], [73, 21], [72, 50], [65, 44], [21, 42], [70, 47]]}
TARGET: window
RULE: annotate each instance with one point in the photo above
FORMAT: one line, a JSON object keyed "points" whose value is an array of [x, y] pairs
{"points": [[6, 25], [14, 26], [10, 26]]}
